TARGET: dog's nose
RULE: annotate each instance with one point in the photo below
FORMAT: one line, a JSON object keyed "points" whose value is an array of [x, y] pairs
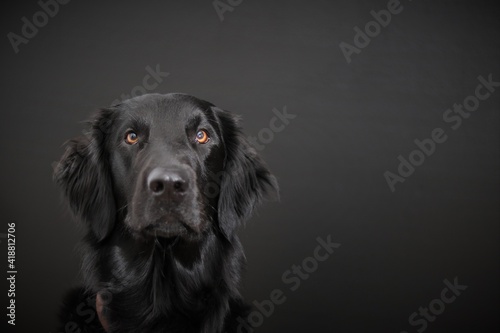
{"points": [[169, 183]]}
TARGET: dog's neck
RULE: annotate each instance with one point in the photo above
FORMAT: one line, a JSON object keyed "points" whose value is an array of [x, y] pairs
{"points": [[145, 283], [186, 252]]}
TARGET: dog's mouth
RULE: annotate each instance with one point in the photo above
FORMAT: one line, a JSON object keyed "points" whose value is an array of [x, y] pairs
{"points": [[168, 229]]}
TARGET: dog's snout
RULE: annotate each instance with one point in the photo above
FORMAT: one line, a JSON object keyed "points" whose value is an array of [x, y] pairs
{"points": [[168, 183]]}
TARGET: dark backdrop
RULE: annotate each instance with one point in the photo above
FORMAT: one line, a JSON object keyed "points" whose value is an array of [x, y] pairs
{"points": [[352, 122]]}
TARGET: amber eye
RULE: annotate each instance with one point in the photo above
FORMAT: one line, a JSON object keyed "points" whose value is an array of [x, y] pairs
{"points": [[131, 138], [202, 136]]}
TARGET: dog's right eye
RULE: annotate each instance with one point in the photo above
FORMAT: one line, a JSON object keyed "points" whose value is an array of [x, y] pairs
{"points": [[131, 138], [202, 136]]}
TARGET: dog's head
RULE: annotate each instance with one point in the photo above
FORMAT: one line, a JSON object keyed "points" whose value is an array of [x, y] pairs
{"points": [[163, 166]]}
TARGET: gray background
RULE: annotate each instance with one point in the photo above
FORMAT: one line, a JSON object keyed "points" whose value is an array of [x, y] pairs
{"points": [[353, 120]]}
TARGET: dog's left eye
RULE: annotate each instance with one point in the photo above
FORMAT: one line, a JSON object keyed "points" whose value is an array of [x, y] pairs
{"points": [[131, 138], [202, 136]]}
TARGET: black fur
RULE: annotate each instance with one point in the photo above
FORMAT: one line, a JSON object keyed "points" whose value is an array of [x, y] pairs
{"points": [[168, 263]]}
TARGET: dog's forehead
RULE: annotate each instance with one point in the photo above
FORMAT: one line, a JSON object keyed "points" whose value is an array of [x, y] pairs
{"points": [[157, 108]]}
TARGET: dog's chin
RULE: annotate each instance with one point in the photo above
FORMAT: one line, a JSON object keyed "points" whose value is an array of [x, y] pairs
{"points": [[170, 229]]}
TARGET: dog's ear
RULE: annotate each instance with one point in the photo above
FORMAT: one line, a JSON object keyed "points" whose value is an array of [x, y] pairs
{"points": [[245, 179], [84, 175]]}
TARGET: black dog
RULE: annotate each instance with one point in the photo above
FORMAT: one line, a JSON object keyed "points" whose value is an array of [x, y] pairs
{"points": [[163, 182]]}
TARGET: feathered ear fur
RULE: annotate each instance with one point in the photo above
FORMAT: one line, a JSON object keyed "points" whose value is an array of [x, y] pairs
{"points": [[83, 173], [245, 179]]}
